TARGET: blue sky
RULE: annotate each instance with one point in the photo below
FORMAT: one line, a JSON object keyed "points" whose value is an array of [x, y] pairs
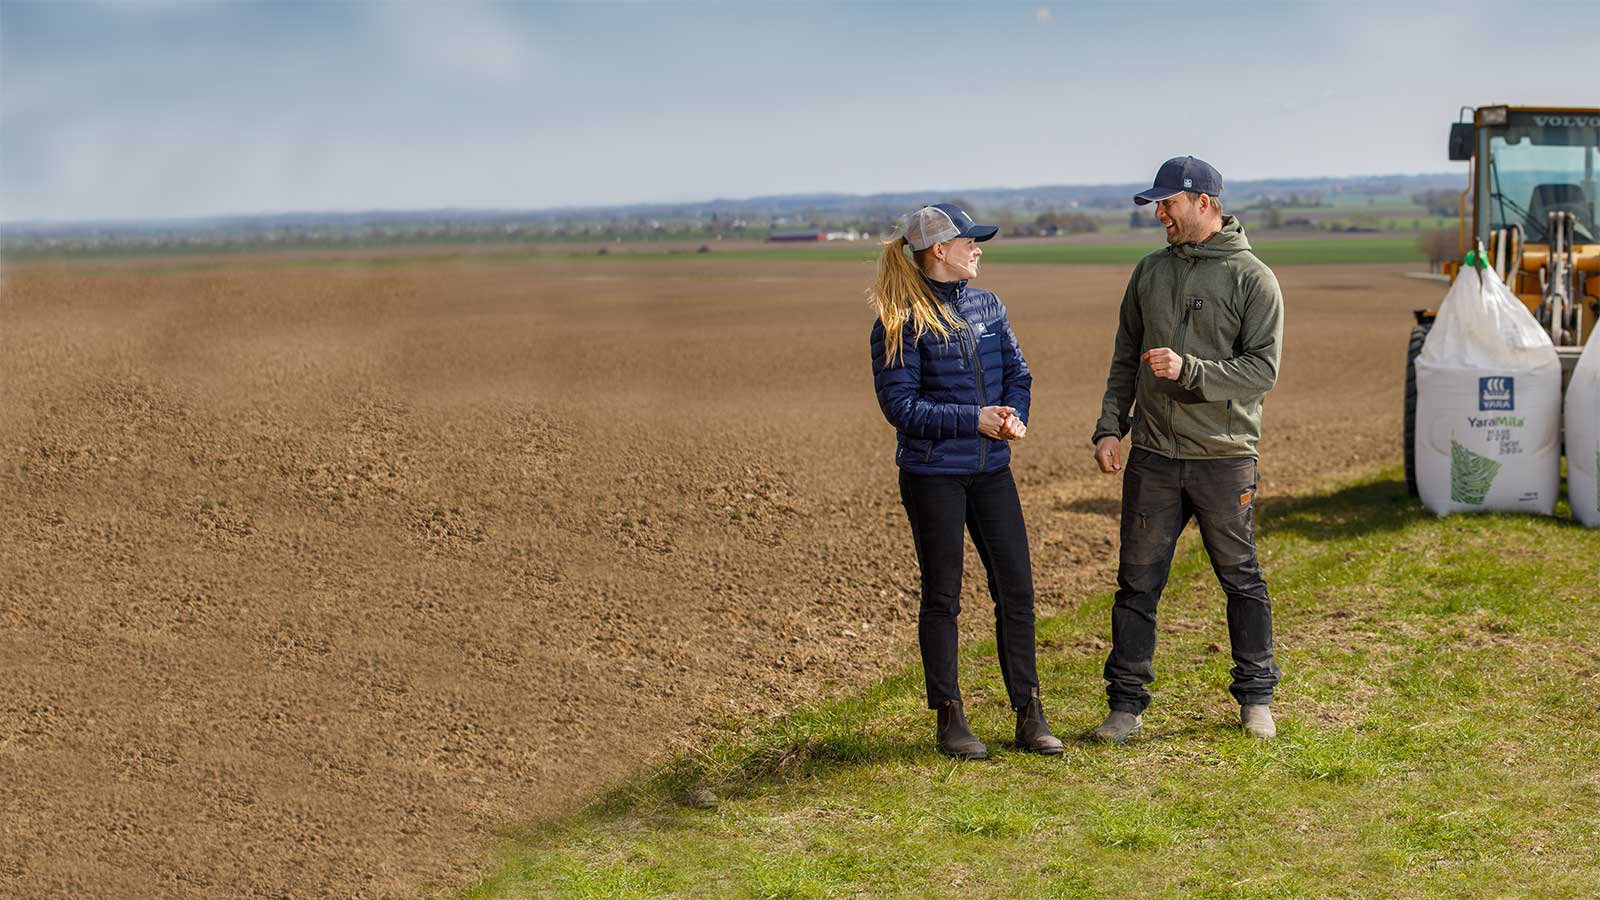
{"points": [[152, 109]]}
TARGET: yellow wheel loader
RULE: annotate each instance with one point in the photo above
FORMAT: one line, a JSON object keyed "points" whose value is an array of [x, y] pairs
{"points": [[1532, 207]]}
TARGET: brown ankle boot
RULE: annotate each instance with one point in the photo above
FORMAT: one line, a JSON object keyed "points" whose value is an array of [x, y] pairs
{"points": [[1033, 732], [955, 738]]}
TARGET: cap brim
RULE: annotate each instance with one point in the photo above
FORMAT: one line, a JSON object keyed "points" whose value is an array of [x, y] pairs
{"points": [[1154, 194], [981, 233]]}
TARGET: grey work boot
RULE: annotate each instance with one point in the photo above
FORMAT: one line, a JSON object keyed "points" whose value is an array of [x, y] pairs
{"points": [[1257, 721], [1033, 732], [1117, 728], [955, 738]]}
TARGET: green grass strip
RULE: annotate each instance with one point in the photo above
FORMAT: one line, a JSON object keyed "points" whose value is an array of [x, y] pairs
{"points": [[1438, 737]]}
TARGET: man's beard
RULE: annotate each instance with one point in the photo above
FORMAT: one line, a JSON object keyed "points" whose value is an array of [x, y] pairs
{"points": [[1183, 234]]}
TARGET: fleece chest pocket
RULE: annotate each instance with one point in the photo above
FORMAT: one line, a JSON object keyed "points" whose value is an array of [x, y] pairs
{"points": [[1210, 327]]}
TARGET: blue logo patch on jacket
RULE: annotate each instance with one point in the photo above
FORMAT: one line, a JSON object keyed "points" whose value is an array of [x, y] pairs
{"points": [[1497, 392]]}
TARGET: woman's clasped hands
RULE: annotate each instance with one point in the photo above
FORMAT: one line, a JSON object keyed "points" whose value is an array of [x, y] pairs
{"points": [[1001, 423]]}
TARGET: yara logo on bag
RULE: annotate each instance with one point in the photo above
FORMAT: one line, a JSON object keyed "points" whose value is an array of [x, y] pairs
{"points": [[1496, 392]]}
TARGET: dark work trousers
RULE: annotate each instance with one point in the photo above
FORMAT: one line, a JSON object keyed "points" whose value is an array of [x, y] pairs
{"points": [[1159, 495], [939, 506]]}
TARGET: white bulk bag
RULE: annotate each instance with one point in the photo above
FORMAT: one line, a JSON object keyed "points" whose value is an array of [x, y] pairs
{"points": [[1488, 404], [1583, 435]]}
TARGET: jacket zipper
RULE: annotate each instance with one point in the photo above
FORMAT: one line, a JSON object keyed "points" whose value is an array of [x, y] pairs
{"points": [[977, 365], [977, 368], [1183, 333], [1190, 306]]}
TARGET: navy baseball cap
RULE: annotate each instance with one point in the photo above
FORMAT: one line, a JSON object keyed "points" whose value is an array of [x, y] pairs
{"points": [[1179, 174], [943, 222]]}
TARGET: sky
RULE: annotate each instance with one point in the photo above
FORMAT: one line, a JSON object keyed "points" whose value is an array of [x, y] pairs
{"points": [[152, 109]]}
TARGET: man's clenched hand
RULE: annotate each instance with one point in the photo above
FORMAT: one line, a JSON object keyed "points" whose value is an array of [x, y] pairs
{"points": [[1108, 454], [1163, 362]]}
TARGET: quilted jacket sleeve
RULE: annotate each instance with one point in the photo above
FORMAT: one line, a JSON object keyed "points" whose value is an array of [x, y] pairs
{"points": [[900, 397], [1017, 392]]}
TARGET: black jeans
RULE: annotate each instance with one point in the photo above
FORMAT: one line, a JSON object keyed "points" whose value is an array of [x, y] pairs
{"points": [[1159, 495], [987, 505]]}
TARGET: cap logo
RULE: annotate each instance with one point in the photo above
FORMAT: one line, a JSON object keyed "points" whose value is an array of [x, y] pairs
{"points": [[1188, 182]]}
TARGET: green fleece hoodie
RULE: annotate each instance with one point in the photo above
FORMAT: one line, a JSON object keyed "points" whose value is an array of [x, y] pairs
{"points": [[1218, 306]]}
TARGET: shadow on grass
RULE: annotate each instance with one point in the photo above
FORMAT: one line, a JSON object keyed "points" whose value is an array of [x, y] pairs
{"points": [[780, 758], [1110, 507], [1367, 508], [784, 752], [1216, 730], [1370, 507]]}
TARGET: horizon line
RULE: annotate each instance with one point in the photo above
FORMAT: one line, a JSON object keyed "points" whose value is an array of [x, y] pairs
{"points": [[647, 204]]}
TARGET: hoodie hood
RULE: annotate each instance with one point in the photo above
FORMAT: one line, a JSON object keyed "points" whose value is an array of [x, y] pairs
{"points": [[1228, 241]]}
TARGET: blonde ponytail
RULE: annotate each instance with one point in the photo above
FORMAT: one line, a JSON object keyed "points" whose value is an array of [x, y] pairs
{"points": [[899, 295]]}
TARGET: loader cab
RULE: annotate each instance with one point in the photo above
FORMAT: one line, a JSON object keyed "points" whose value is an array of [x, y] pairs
{"points": [[1535, 207]]}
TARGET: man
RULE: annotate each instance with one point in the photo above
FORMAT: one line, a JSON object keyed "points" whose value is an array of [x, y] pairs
{"points": [[1198, 341]]}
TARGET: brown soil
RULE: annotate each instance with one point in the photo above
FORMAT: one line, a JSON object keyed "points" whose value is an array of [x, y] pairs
{"points": [[314, 575]]}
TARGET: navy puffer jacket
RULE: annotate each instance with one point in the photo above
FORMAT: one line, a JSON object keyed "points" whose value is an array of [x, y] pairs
{"points": [[932, 396]]}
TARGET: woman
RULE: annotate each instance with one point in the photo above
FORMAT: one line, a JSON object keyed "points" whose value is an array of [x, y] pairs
{"points": [[952, 381]]}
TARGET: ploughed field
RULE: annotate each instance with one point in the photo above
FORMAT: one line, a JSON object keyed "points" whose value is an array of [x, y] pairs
{"points": [[317, 573]]}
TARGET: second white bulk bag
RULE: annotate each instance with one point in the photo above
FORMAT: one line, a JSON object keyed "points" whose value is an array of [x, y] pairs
{"points": [[1583, 435], [1488, 404]]}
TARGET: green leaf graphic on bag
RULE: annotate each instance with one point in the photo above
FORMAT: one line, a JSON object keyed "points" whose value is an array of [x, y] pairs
{"points": [[1470, 475]]}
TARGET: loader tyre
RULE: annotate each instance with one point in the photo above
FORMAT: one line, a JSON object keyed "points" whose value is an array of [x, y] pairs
{"points": [[1418, 335]]}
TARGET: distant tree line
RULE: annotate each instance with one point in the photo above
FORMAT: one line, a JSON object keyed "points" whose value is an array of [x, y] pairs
{"points": [[1439, 203], [1441, 245], [1290, 201], [1054, 222], [1048, 223]]}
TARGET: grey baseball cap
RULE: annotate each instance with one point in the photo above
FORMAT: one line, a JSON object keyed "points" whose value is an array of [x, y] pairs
{"points": [[943, 222]]}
